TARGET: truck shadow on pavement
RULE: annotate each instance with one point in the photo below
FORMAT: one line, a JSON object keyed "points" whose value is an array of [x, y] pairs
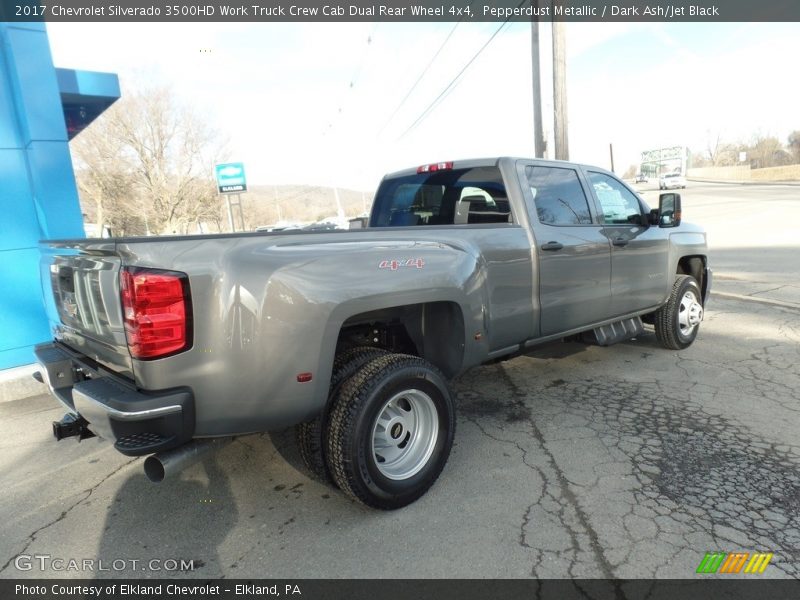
{"points": [[146, 522]]}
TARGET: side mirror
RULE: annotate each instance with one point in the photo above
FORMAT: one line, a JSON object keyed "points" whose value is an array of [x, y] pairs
{"points": [[669, 210]]}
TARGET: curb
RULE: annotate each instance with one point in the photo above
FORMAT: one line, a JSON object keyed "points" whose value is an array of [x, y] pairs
{"points": [[18, 383], [792, 182], [766, 301]]}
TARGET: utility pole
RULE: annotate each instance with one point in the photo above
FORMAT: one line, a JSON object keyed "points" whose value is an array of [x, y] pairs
{"points": [[277, 202], [611, 152], [230, 212], [538, 131], [560, 89]]}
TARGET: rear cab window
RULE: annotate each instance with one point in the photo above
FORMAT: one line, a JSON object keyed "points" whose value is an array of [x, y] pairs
{"points": [[559, 199], [471, 196]]}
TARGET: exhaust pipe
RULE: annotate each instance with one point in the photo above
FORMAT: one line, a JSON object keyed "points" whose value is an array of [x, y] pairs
{"points": [[171, 462]]}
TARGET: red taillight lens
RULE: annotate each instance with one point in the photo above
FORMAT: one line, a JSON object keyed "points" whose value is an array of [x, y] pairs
{"points": [[156, 310], [432, 168]]}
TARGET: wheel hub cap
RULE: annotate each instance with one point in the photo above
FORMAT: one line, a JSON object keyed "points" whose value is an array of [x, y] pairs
{"points": [[404, 434], [690, 313]]}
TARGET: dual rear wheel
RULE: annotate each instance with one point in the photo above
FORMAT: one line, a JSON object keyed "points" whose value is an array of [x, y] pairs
{"points": [[388, 429]]}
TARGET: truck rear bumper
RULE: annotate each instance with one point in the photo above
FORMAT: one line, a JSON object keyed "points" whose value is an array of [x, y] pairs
{"points": [[137, 422]]}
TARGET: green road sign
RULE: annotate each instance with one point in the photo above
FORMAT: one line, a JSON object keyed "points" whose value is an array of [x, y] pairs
{"points": [[230, 178]]}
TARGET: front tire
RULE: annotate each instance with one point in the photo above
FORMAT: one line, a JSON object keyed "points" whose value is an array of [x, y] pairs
{"points": [[678, 321], [390, 431]]}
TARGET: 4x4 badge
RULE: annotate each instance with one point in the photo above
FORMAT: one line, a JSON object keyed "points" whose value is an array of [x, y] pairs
{"points": [[396, 264]]}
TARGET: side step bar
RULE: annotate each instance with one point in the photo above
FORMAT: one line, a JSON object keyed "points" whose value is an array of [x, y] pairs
{"points": [[616, 332]]}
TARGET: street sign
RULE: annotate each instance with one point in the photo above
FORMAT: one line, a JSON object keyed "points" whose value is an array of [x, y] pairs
{"points": [[230, 178]]}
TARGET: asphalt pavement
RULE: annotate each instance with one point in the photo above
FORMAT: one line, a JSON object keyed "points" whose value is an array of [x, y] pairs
{"points": [[572, 461]]}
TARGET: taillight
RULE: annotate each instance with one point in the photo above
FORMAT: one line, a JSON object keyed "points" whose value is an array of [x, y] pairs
{"points": [[432, 168], [157, 311]]}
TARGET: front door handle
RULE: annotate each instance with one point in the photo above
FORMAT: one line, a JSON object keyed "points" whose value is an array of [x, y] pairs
{"points": [[552, 246], [620, 241]]}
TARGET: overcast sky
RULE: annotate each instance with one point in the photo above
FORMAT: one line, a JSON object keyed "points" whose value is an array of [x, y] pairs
{"points": [[329, 104]]}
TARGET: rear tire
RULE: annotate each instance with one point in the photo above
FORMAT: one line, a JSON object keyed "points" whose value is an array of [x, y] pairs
{"points": [[678, 321], [311, 434], [390, 431]]}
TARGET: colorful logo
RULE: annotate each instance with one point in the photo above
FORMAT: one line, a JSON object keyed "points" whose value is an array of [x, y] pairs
{"points": [[732, 562]]}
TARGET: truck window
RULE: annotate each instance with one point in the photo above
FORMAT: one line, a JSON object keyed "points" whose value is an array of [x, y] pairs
{"points": [[619, 206], [448, 197], [558, 196]]}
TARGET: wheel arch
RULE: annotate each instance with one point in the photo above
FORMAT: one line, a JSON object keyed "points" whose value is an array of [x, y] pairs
{"points": [[432, 330], [694, 265]]}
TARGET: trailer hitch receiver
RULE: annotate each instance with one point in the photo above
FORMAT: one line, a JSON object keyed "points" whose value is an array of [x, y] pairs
{"points": [[71, 426]]}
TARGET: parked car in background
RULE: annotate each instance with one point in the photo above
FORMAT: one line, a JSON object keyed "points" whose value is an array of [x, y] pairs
{"points": [[641, 178], [671, 180]]}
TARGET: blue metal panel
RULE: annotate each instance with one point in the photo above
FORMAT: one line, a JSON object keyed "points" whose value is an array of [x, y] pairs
{"points": [[84, 95], [38, 197], [88, 84], [35, 85], [9, 128], [54, 190], [22, 316], [19, 225]]}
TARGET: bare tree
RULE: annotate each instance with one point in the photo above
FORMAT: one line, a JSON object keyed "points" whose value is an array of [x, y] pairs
{"points": [[794, 145], [713, 147], [105, 181], [149, 160], [767, 151], [718, 153]]}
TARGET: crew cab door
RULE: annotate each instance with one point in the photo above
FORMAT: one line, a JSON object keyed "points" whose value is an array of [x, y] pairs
{"points": [[639, 253], [573, 253]]}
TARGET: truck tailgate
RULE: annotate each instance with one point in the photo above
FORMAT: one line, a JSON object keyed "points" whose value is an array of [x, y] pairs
{"points": [[85, 310]]}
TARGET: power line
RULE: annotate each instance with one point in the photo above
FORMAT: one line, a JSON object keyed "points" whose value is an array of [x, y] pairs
{"points": [[353, 80], [450, 86], [416, 83]]}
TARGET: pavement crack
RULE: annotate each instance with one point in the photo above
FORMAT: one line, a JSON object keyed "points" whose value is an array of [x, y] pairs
{"points": [[566, 490], [87, 493]]}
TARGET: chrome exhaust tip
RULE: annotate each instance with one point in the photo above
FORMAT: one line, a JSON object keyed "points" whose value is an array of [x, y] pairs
{"points": [[169, 463]]}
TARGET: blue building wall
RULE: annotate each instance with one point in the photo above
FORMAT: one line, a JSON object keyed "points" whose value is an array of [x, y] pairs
{"points": [[38, 195]]}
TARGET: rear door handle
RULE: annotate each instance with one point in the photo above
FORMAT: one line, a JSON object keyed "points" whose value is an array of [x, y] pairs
{"points": [[552, 246], [620, 241]]}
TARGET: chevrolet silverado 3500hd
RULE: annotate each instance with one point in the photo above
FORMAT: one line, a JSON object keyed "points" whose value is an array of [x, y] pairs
{"points": [[169, 346]]}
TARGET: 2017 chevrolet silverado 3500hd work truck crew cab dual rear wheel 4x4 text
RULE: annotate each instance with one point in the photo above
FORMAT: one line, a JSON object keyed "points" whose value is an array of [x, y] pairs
{"points": [[171, 346]]}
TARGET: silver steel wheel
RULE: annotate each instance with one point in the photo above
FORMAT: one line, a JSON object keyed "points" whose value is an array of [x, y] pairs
{"points": [[404, 434], [690, 313]]}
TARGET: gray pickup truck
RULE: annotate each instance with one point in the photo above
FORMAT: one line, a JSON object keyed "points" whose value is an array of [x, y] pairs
{"points": [[171, 346]]}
